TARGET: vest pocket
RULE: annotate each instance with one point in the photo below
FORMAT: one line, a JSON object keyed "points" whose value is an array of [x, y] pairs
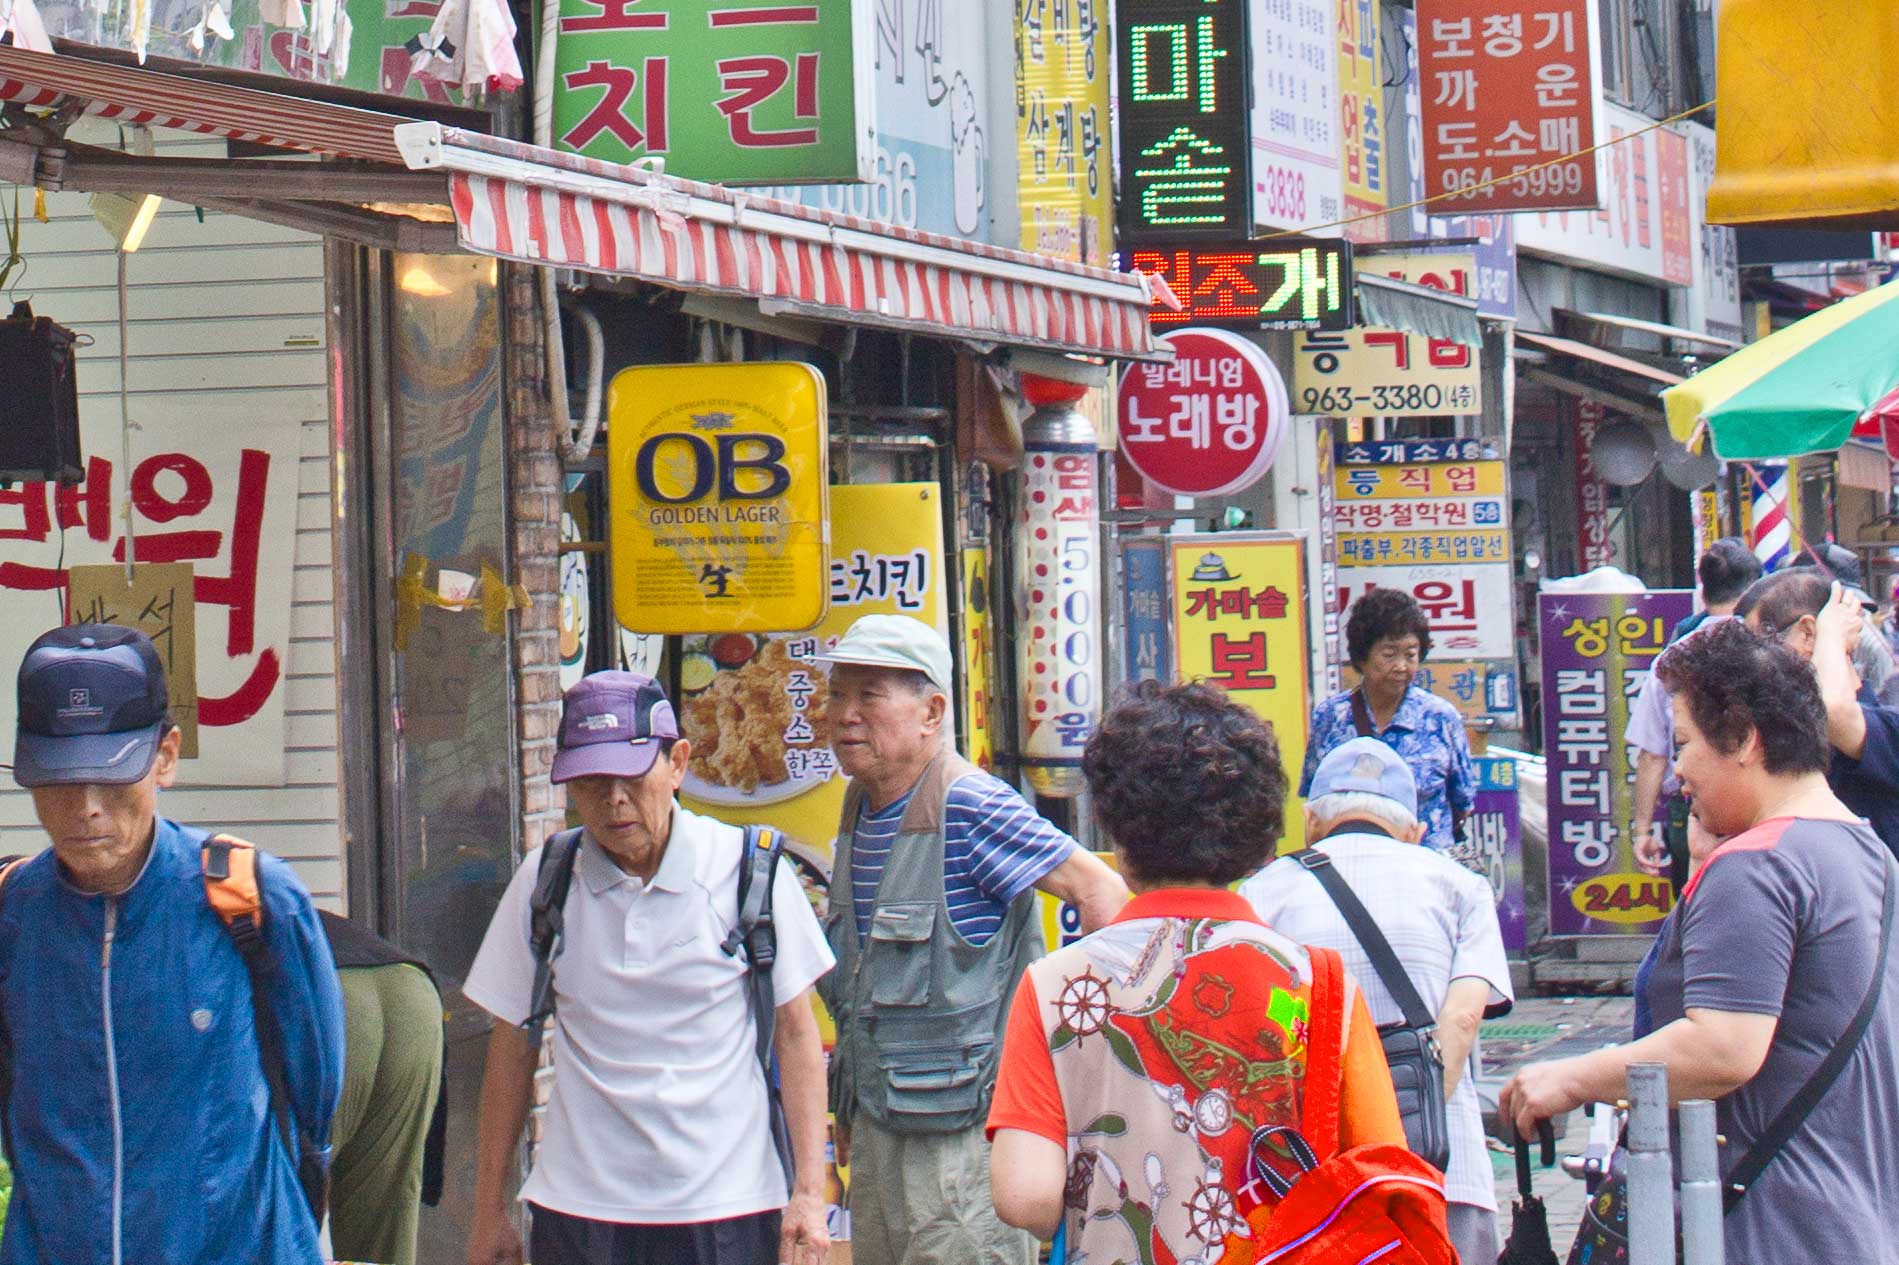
{"points": [[900, 954], [935, 1065]]}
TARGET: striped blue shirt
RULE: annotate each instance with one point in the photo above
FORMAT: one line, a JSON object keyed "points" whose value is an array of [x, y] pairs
{"points": [[995, 847]]}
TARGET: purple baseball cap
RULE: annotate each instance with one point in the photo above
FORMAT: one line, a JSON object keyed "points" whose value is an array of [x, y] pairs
{"points": [[612, 724]]}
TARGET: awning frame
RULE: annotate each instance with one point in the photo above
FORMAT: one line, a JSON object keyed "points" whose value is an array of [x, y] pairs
{"points": [[688, 235], [1418, 309]]}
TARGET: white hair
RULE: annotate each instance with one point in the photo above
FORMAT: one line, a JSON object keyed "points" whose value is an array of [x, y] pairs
{"points": [[1327, 809]]}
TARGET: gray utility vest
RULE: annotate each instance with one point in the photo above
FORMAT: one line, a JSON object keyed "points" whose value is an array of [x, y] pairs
{"points": [[920, 1011]]}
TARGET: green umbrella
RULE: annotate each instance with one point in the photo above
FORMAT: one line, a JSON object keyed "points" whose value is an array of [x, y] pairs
{"points": [[1799, 390]]}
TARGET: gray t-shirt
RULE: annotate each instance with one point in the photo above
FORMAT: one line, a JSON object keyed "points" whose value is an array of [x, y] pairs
{"points": [[1783, 920]]}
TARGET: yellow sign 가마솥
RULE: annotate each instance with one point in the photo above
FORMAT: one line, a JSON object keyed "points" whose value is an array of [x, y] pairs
{"points": [[1240, 623], [718, 486]]}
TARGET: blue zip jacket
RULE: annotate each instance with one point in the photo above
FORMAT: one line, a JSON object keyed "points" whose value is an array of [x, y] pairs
{"points": [[139, 1119]]}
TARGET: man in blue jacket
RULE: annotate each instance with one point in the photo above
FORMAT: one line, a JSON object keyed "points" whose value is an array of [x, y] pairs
{"points": [[138, 1116]]}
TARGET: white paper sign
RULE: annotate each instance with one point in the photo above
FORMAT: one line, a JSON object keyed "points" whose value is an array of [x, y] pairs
{"points": [[216, 488], [1467, 607], [1295, 113]]}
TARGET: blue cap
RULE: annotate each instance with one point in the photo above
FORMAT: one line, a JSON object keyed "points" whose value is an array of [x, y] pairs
{"points": [[92, 707], [1366, 766], [612, 725]]}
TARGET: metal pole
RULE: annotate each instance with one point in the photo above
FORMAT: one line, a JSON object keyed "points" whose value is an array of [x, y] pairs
{"points": [[1701, 1240], [1651, 1176]]}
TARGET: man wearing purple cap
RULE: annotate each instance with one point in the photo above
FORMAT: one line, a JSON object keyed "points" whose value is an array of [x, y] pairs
{"points": [[657, 1147]]}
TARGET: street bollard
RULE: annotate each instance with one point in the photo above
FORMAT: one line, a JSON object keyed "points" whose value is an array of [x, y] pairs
{"points": [[1701, 1212], [1651, 1175]]}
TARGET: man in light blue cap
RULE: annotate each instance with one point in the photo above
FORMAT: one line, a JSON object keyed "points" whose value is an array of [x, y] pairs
{"points": [[932, 920], [1440, 920]]}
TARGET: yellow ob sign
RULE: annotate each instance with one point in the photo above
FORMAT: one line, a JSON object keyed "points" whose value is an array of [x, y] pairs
{"points": [[718, 486]]}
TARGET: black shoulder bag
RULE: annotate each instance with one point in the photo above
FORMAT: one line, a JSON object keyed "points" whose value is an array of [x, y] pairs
{"points": [[1411, 1050]]}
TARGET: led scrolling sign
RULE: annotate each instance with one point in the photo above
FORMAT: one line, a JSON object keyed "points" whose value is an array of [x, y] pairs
{"points": [[1182, 122], [1274, 283]]}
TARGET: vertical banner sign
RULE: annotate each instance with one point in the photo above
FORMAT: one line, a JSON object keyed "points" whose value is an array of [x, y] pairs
{"points": [[1064, 181], [979, 746], [1597, 649], [1595, 549], [1239, 614], [717, 478], [1361, 117], [1507, 86], [1185, 144], [1295, 119], [1209, 421], [1328, 587], [725, 91], [1375, 371], [1058, 578], [1144, 609], [1494, 844]]}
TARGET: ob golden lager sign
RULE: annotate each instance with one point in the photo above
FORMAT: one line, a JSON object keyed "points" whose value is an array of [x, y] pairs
{"points": [[718, 483]]}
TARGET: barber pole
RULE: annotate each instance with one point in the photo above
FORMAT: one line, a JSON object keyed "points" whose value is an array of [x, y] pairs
{"points": [[1058, 598], [1769, 529]]}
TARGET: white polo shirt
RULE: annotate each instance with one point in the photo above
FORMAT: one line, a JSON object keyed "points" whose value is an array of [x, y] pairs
{"points": [[658, 1113]]}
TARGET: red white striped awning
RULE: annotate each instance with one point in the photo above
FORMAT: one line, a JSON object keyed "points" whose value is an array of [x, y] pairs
{"points": [[542, 206], [135, 95]]}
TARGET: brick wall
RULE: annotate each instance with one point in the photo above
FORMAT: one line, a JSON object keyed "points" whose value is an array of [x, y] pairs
{"points": [[535, 480]]}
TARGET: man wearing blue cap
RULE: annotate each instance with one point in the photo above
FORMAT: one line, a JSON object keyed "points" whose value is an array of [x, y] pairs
{"points": [[139, 1118], [1440, 920], [657, 1147]]}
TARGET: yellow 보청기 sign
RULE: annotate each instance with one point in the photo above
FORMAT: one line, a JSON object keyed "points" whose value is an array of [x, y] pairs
{"points": [[718, 485]]}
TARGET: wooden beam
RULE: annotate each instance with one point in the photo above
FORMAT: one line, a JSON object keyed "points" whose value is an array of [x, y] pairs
{"points": [[350, 224], [1649, 411], [86, 169]]}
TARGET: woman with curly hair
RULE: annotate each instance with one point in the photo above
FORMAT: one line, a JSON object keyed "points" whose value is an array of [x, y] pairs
{"points": [[1777, 948], [1387, 641], [1151, 1050]]}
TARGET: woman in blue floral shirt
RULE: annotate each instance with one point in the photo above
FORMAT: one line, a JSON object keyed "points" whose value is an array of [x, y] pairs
{"points": [[1387, 639]]}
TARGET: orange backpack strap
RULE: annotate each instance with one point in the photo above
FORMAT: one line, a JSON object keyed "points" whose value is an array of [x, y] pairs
{"points": [[230, 884], [1325, 1052]]}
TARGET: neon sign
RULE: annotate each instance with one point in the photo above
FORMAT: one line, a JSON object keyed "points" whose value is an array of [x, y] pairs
{"points": [[1183, 121], [1277, 283]]}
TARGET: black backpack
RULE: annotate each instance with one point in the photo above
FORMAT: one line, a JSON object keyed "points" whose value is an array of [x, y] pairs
{"points": [[753, 932]]}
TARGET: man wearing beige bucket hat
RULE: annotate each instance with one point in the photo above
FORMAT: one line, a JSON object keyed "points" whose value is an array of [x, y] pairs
{"points": [[932, 920]]}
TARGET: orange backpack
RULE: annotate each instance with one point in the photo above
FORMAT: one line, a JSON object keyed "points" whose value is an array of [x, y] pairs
{"points": [[1377, 1203]]}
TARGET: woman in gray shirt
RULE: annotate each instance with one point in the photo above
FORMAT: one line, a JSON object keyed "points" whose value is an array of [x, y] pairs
{"points": [[1770, 954]]}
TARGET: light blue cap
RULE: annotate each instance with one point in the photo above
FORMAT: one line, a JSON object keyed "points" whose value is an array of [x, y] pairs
{"points": [[1366, 766]]}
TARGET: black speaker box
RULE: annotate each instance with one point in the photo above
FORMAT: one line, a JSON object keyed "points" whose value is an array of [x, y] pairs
{"points": [[39, 400]]}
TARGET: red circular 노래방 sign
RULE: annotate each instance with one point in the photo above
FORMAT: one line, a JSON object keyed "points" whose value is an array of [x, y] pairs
{"points": [[1208, 423]]}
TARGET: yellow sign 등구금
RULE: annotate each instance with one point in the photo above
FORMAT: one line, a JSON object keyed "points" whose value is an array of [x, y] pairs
{"points": [[1372, 371], [718, 484], [1240, 623]]}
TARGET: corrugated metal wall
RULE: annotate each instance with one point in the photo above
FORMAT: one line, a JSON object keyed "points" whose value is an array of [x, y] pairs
{"points": [[226, 321]]}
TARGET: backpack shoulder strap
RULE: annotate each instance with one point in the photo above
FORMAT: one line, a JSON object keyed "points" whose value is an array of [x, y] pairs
{"points": [[1361, 714], [231, 885], [756, 934], [547, 922], [1319, 1110], [234, 890]]}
